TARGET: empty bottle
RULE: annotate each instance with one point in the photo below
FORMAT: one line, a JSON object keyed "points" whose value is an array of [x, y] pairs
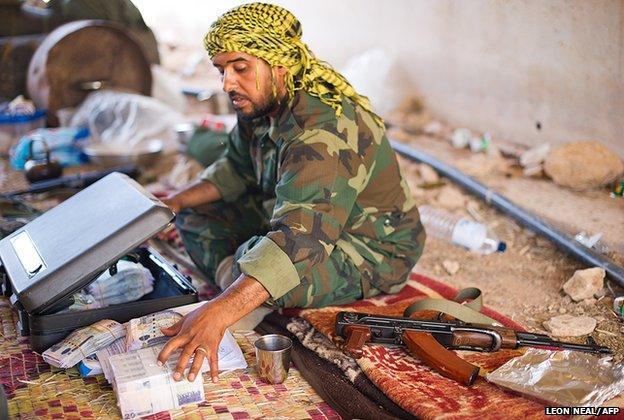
{"points": [[460, 231]]}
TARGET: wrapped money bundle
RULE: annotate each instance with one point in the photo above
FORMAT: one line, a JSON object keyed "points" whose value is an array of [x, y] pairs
{"points": [[142, 387], [131, 282], [84, 342], [145, 331]]}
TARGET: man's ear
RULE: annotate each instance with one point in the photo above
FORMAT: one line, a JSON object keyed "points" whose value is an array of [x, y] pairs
{"points": [[280, 72]]}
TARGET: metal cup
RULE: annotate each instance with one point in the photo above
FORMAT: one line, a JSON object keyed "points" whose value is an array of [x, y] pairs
{"points": [[273, 357]]}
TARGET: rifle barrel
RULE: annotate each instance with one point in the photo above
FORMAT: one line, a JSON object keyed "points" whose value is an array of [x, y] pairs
{"points": [[532, 340]]}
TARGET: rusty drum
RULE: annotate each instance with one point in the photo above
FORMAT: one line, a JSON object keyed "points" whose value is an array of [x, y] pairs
{"points": [[82, 56]]}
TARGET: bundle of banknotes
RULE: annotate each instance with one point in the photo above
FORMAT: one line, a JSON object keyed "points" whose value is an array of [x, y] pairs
{"points": [[146, 331], [131, 282], [141, 386], [83, 343]]}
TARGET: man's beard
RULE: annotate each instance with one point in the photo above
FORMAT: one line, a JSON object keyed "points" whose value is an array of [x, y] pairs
{"points": [[267, 105]]}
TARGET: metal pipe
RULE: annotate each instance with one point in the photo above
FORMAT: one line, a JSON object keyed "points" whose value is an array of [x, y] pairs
{"points": [[563, 241]]}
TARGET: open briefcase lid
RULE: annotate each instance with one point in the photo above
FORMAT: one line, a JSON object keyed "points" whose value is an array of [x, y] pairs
{"points": [[65, 248]]}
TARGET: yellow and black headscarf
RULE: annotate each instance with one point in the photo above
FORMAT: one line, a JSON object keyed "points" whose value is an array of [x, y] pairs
{"points": [[273, 34]]}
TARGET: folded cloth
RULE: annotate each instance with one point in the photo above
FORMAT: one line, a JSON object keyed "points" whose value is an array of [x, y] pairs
{"points": [[357, 398]]}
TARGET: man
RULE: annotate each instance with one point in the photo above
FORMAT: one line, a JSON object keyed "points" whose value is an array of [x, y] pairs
{"points": [[308, 196]]}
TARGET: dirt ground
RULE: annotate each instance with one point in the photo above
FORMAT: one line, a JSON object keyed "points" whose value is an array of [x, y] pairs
{"points": [[525, 281]]}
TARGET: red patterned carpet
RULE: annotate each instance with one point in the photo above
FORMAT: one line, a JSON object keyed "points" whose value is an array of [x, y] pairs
{"points": [[413, 385]]}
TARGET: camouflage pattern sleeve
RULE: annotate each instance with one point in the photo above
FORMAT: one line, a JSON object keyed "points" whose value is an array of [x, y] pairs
{"points": [[319, 178], [233, 172]]}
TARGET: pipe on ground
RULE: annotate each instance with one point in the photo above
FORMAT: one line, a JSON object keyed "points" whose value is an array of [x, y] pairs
{"points": [[561, 240]]}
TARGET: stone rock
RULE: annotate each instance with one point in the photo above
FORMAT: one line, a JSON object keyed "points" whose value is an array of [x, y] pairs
{"points": [[589, 302], [585, 283], [461, 137], [450, 198], [433, 128], [601, 293], [583, 165], [451, 267], [428, 174], [534, 156], [533, 171], [570, 326]]}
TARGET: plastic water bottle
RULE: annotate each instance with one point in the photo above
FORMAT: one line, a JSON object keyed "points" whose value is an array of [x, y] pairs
{"points": [[460, 231]]}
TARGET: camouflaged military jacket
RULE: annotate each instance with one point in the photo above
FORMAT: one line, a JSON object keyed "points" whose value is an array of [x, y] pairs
{"points": [[335, 183]]}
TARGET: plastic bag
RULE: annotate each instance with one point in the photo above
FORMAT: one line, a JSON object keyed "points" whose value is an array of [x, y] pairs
{"points": [[568, 378], [127, 119]]}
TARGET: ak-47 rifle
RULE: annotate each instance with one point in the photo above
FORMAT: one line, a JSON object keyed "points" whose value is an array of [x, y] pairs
{"points": [[430, 339]]}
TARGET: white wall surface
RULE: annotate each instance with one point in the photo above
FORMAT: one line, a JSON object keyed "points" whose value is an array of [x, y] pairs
{"points": [[490, 65]]}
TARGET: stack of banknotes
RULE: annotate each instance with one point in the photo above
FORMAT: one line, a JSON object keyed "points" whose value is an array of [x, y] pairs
{"points": [[127, 356], [145, 331], [142, 387], [83, 343], [131, 282]]}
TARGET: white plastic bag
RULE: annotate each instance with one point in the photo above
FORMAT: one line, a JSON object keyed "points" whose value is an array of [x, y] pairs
{"points": [[127, 119]]}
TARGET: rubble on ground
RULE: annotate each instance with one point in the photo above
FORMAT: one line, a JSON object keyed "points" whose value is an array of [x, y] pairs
{"points": [[532, 160], [428, 174], [451, 267], [570, 326], [583, 165], [584, 284]]}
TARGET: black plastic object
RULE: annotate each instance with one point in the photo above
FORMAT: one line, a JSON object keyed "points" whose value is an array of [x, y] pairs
{"points": [[563, 241]]}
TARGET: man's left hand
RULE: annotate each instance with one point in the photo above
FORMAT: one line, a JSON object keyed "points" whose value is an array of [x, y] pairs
{"points": [[198, 334]]}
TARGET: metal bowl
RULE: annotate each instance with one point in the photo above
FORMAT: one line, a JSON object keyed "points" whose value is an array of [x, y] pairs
{"points": [[106, 154]]}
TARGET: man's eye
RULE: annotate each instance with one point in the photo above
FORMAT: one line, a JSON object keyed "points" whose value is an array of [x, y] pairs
{"points": [[240, 69]]}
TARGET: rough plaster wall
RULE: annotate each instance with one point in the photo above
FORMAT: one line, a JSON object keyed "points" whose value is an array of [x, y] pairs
{"points": [[491, 65]]}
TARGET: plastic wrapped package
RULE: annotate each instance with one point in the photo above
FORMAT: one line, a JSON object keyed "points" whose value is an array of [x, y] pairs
{"points": [[567, 378], [127, 119]]}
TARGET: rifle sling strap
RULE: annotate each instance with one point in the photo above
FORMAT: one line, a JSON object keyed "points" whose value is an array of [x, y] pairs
{"points": [[465, 307]]}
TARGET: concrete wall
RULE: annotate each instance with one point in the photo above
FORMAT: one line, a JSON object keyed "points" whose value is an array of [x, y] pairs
{"points": [[501, 66]]}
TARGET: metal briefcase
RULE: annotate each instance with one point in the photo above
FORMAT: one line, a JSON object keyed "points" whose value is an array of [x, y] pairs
{"points": [[46, 261]]}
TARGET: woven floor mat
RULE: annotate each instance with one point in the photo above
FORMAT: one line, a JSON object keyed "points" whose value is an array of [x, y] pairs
{"points": [[36, 390]]}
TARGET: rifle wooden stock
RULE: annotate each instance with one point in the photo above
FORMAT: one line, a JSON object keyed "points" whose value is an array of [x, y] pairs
{"points": [[421, 345], [445, 362]]}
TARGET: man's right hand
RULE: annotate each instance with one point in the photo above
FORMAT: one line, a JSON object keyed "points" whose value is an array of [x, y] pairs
{"points": [[197, 193], [172, 202]]}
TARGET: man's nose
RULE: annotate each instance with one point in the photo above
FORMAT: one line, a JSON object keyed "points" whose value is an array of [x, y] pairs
{"points": [[229, 81]]}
